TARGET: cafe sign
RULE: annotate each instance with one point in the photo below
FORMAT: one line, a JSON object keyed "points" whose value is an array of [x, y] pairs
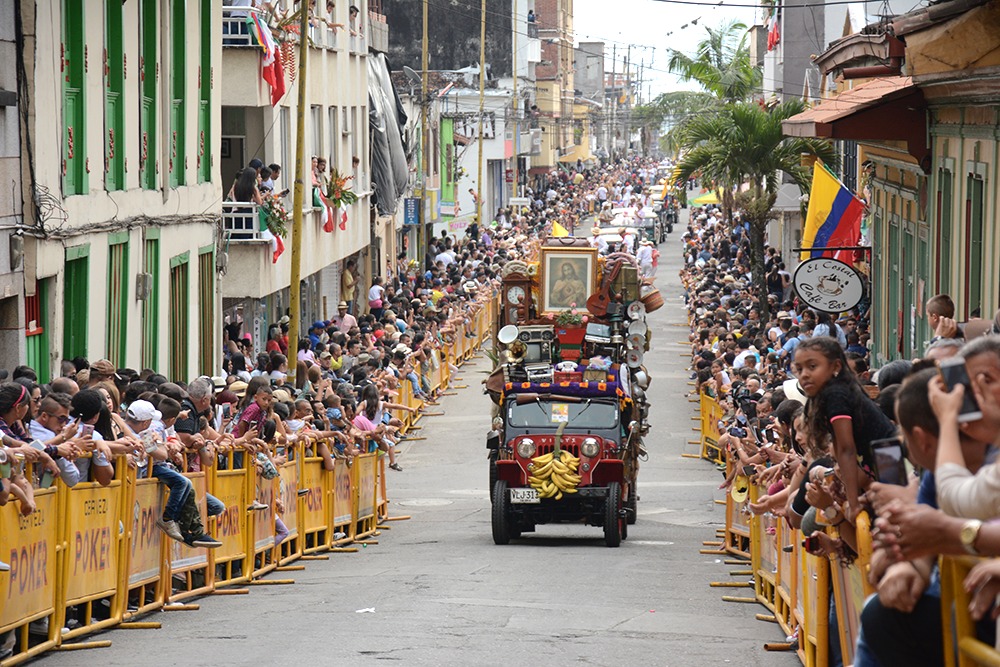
{"points": [[828, 285]]}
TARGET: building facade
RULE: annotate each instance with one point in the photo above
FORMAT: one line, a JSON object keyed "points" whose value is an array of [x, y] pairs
{"points": [[13, 319], [255, 284], [122, 135]]}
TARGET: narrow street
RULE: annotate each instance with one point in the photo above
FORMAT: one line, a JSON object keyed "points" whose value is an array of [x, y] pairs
{"points": [[437, 591]]}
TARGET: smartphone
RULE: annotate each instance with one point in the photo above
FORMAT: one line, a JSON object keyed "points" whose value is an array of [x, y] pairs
{"points": [[86, 430], [811, 544], [890, 461], [227, 410], [47, 479], [749, 471], [953, 372]]}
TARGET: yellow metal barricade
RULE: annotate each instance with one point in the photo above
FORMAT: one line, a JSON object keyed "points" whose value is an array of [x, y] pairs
{"points": [[814, 609], [961, 645], [786, 584], [851, 588], [191, 571], [364, 486], [229, 485], [737, 534], [292, 547], [711, 414], [261, 522], [144, 584], [381, 497], [343, 510], [93, 535], [764, 554], [32, 546], [317, 502]]}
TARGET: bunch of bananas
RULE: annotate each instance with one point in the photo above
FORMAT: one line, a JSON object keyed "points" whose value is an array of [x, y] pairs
{"points": [[554, 474]]}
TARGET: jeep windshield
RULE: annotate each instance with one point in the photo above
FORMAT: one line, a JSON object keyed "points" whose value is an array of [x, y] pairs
{"points": [[548, 414]]}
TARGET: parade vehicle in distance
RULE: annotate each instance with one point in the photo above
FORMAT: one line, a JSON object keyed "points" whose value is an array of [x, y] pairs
{"points": [[571, 409]]}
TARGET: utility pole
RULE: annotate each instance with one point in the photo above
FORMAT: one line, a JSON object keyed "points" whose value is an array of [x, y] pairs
{"points": [[482, 100], [613, 125], [517, 126], [628, 100], [425, 141], [298, 196]]}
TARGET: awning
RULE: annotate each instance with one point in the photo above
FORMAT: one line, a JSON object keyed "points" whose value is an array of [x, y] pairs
{"points": [[705, 199], [883, 109]]}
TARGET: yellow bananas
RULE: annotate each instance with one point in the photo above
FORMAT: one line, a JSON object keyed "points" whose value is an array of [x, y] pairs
{"points": [[552, 476]]}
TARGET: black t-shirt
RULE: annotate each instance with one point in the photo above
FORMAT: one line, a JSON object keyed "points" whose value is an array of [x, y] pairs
{"points": [[188, 425], [868, 422], [800, 505]]}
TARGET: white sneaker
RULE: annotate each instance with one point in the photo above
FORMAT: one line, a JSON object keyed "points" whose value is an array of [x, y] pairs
{"points": [[4, 567], [171, 528]]}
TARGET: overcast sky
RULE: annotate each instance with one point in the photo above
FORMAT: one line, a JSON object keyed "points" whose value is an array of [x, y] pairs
{"points": [[644, 24]]}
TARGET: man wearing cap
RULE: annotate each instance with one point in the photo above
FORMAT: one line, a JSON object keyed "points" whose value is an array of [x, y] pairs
{"points": [[343, 320], [181, 520], [100, 371], [316, 333]]}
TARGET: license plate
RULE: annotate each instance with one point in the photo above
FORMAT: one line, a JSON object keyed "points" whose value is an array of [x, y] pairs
{"points": [[521, 496]]}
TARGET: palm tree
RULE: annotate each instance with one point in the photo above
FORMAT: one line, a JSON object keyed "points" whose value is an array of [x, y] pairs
{"points": [[742, 144], [721, 64]]}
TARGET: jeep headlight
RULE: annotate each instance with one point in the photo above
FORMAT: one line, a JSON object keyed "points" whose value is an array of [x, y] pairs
{"points": [[526, 448], [590, 447]]}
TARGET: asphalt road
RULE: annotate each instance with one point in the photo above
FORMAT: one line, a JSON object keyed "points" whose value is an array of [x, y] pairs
{"points": [[437, 591]]}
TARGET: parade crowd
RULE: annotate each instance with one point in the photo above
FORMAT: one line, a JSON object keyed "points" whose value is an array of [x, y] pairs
{"points": [[825, 435], [349, 370]]}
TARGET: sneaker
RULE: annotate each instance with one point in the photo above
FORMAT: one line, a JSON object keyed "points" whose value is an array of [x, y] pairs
{"points": [[171, 528], [257, 506], [303, 492], [4, 567], [339, 535], [395, 466], [206, 541], [39, 627]]}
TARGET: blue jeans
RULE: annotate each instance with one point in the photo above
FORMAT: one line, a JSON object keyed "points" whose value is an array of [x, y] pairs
{"points": [[180, 487], [215, 506], [415, 384]]}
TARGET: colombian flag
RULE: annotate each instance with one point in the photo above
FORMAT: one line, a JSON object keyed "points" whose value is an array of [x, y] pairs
{"points": [[833, 218]]}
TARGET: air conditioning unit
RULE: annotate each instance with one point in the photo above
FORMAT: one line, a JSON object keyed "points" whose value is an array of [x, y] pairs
{"points": [[143, 286]]}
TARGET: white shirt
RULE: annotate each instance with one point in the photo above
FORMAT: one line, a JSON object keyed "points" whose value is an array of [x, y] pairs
{"points": [[741, 358], [602, 193], [376, 292], [645, 255], [445, 257], [628, 243], [599, 242]]}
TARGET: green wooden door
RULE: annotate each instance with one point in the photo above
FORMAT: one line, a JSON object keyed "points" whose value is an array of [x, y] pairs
{"points": [[118, 292], [36, 331], [73, 68], [974, 259], [114, 104], [151, 307], [75, 302], [179, 307]]}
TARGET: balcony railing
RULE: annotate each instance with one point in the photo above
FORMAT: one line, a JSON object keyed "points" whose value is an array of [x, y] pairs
{"points": [[240, 221], [532, 30], [235, 30]]}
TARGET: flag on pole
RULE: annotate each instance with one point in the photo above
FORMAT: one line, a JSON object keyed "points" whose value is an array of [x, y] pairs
{"points": [[833, 218], [558, 230]]}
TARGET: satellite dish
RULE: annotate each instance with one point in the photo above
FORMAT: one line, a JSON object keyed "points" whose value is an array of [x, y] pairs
{"points": [[633, 358], [507, 334], [412, 75]]}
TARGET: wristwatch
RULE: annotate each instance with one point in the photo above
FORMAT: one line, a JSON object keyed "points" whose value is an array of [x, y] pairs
{"points": [[969, 534]]}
